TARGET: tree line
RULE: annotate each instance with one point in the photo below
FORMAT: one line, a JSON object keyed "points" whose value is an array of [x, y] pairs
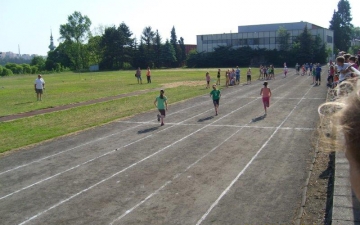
{"points": [[114, 48]]}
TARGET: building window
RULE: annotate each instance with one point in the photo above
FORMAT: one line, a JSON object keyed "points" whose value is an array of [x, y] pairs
{"points": [[329, 39], [272, 40]]}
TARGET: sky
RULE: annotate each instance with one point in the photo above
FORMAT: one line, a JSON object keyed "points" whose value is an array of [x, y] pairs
{"points": [[28, 23]]}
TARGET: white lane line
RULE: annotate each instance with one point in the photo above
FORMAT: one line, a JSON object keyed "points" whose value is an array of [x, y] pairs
{"points": [[99, 139], [105, 154], [125, 169], [179, 174], [248, 164], [98, 157], [86, 162], [74, 167], [236, 126]]}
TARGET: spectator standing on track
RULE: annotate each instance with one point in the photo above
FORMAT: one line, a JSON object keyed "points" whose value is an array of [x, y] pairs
{"points": [[297, 67], [248, 76], [215, 94], [207, 76], [318, 75], [227, 77], [265, 92], [138, 75], [161, 104], [39, 86], [148, 75], [311, 69], [218, 77], [237, 75]]}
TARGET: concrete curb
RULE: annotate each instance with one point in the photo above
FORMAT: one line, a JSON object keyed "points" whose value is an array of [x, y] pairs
{"points": [[346, 207]]}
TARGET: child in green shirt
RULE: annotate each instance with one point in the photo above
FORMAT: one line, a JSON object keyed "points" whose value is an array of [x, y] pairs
{"points": [[215, 94]]}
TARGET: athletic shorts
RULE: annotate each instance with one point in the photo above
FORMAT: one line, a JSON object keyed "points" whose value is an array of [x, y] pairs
{"points": [[237, 78], [266, 101], [39, 91], [138, 77], [318, 77], [216, 102], [162, 112], [208, 82], [248, 77]]}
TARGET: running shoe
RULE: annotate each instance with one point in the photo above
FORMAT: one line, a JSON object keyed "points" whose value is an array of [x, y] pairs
{"points": [[158, 117]]}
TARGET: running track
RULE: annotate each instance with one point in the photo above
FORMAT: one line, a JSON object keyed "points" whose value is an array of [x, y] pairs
{"points": [[235, 168]]}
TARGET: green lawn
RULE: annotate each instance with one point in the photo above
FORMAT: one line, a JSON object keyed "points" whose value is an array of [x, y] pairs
{"points": [[17, 95]]}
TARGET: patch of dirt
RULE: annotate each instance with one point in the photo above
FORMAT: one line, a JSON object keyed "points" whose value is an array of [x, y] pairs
{"points": [[184, 83], [320, 190]]}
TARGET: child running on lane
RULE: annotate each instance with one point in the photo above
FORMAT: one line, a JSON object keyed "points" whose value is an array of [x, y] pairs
{"points": [[161, 103], [266, 94], [215, 94]]}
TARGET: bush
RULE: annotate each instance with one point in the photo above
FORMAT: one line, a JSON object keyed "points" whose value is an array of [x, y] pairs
{"points": [[7, 72]]}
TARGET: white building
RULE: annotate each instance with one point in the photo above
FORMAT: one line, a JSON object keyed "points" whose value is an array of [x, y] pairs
{"points": [[262, 36]]}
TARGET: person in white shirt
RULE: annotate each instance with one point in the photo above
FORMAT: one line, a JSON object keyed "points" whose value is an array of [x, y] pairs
{"points": [[39, 87], [342, 68]]}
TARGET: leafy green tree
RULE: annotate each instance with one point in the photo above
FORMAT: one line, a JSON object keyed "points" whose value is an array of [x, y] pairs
{"points": [[341, 25], [7, 72], [305, 53], [95, 50], [59, 55], [34, 69], [183, 51], [1, 70], [174, 43], [283, 37], [75, 33], [38, 61], [168, 54], [26, 68], [117, 46], [157, 49], [355, 33]]}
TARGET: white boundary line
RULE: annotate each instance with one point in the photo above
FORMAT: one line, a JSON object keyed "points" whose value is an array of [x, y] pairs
{"points": [[109, 152], [179, 174], [98, 139], [125, 169], [63, 201], [248, 164]]}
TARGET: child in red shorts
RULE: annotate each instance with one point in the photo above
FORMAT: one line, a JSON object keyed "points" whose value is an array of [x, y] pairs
{"points": [[266, 93]]}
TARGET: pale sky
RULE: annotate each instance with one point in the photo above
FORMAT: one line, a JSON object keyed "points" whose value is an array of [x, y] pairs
{"points": [[28, 22]]}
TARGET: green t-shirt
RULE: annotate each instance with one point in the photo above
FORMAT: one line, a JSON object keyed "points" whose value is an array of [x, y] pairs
{"points": [[215, 94], [161, 102]]}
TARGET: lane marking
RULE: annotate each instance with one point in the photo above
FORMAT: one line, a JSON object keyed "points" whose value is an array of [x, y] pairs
{"points": [[125, 169], [105, 137], [248, 164], [178, 175], [107, 153]]}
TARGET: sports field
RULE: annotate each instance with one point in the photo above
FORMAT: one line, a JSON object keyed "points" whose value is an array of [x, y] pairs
{"points": [[239, 167]]}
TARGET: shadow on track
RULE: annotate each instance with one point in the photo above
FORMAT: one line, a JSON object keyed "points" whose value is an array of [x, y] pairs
{"points": [[148, 130]]}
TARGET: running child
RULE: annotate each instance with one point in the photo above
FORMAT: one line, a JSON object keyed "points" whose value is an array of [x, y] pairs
{"points": [[285, 71], [266, 94], [215, 94], [161, 104]]}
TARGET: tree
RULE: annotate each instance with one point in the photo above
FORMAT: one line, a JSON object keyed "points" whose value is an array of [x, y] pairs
{"points": [[168, 54], [305, 53], [283, 37], [341, 25], [38, 61], [173, 42], [355, 33], [75, 32], [183, 51], [157, 49], [117, 46]]}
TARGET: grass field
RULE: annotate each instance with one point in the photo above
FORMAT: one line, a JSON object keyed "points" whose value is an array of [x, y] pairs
{"points": [[17, 95]]}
